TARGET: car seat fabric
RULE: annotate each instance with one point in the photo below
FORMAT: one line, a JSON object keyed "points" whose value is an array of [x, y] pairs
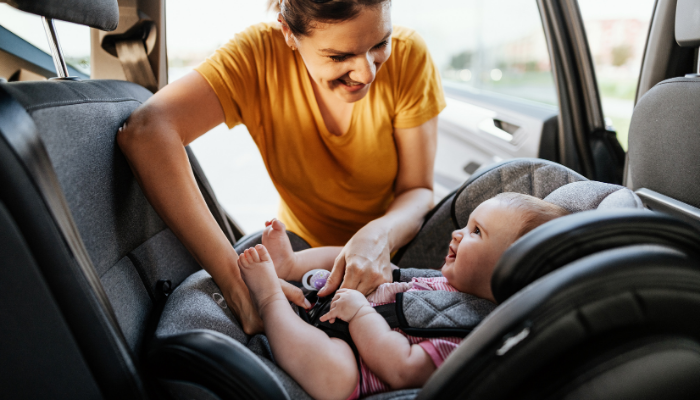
{"points": [[582, 315], [100, 14], [663, 140], [33, 195], [535, 177], [129, 245], [439, 313], [589, 195]]}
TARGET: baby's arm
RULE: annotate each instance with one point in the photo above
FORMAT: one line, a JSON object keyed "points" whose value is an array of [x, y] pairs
{"points": [[387, 353]]}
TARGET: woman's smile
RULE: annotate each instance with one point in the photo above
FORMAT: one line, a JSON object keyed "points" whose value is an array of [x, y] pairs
{"points": [[350, 85]]}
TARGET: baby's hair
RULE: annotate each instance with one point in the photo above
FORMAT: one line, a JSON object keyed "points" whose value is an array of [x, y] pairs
{"points": [[535, 211]]}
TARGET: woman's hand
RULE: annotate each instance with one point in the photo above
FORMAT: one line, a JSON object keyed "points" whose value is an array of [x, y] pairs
{"points": [[346, 305], [363, 264]]}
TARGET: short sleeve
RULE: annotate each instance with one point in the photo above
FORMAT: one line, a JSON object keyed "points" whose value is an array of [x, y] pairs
{"points": [[233, 72], [439, 348], [419, 93]]}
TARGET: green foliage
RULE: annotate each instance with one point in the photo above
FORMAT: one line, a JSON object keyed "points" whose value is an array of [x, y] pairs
{"points": [[462, 60]]}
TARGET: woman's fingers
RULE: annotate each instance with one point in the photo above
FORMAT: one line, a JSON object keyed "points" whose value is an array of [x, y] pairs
{"points": [[294, 294], [335, 278]]}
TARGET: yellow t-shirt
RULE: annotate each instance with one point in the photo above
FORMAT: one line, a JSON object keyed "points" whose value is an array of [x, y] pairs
{"points": [[330, 186]]}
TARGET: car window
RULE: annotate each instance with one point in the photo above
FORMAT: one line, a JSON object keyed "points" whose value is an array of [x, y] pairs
{"points": [[496, 45], [74, 39], [230, 159], [617, 31]]}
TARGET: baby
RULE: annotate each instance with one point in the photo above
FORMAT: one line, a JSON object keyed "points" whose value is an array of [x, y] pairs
{"points": [[389, 359]]}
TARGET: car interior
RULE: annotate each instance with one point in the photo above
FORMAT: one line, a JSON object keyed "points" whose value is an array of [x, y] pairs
{"points": [[101, 300]]}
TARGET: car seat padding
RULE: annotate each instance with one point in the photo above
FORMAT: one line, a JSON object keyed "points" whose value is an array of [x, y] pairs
{"points": [[628, 292], [569, 238]]}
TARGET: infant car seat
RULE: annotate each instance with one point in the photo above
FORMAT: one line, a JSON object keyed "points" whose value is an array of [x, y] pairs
{"points": [[175, 355]]}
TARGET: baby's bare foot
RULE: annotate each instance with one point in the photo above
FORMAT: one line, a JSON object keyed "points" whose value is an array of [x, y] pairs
{"points": [[259, 275], [276, 241]]}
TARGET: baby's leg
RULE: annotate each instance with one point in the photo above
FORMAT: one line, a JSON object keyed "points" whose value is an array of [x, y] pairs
{"points": [[292, 266], [325, 367]]}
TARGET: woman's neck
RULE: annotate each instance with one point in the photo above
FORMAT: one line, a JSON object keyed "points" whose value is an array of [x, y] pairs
{"points": [[336, 113]]}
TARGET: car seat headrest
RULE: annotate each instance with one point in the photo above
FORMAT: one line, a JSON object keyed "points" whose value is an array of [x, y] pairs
{"points": [[688, 23], [567, 239], [590, 195], [535, 177], [100, 14]]}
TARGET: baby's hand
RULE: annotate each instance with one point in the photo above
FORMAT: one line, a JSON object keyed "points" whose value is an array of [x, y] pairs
{"points": [[346, 304]]}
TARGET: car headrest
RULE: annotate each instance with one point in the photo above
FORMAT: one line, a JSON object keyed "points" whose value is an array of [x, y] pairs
{"points": [[100, 14], [590, 195], [567, 239], [688, 23]]}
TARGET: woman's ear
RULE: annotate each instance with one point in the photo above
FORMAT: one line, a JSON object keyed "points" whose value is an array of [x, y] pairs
{"points": [[288, 35]]}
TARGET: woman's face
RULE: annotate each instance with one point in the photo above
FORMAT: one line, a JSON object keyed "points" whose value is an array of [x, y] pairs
{"points": [[343, 58]]}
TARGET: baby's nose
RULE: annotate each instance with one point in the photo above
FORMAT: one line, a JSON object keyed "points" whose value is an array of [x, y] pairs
{"points": [[457, 235]]}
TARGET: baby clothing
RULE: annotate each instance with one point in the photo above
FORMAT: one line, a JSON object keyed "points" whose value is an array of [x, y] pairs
{"points": [[437, 348]]}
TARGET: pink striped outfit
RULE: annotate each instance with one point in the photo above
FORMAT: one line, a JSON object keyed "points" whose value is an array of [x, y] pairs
{"points": [[437, 348]]}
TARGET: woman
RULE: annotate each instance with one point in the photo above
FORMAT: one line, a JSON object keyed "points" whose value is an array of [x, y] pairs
{"points": [[347, 131]]}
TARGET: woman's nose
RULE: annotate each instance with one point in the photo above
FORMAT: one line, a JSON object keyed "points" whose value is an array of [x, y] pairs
{"points": [[365, 70]]}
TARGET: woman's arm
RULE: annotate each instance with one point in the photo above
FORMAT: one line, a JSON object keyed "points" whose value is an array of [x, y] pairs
{"points": [[153, 140], [387, 353], [364, 262]]}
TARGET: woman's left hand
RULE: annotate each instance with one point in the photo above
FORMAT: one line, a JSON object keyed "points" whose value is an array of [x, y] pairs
{"points": [[363, 264]]}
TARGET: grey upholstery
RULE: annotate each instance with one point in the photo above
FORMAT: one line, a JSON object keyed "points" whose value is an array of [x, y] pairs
{"points": [[100, 14], [439, 309], [129, 245], [687, 29], [591, 195], [665, 140], [429, 247], [535, 177]]}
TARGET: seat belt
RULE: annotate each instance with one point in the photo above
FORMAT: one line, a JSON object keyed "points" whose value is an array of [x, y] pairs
{"points": [[132, 42], [137, 68]]}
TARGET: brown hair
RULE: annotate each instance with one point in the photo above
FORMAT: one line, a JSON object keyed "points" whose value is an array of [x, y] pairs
{"points": [[301, 14], [535, 211]]}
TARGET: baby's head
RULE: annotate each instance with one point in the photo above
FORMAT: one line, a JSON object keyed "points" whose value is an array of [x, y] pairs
{"points": [[492, 227]]}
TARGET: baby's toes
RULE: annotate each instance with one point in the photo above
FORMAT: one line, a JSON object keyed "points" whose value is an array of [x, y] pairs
{"points": [[278, 225], [262, 252]]}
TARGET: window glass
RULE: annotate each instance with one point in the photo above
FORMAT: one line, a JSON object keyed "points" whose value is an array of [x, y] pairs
{"points": [[74, 39], [617, 32], [496, 45], [230, 159]]}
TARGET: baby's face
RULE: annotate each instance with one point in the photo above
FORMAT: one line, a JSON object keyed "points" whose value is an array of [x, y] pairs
{"points": [[475, 250]]}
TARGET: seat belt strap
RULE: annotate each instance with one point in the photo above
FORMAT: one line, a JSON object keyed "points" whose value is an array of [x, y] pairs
{"points": [[137, 68]]}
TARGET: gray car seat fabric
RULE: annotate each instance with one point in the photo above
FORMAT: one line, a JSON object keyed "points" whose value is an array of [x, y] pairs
{"points": [[100, 14], [441, 311], [663, 140], [129, 245], [535, 177], [590, 195]]}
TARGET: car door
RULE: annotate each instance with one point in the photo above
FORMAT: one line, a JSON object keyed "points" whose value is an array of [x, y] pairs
{"points": [[520, 81], [496, 72]]}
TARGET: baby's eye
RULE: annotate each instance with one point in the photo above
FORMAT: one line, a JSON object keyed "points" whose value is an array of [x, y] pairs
{"points": [[477, 230]]}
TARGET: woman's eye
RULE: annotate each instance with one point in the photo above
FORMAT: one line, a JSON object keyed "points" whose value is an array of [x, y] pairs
{"points": [[338, 58], [382, 44]]}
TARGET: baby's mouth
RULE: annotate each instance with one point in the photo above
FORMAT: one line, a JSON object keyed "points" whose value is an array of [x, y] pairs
{"points": [[451, 254]]}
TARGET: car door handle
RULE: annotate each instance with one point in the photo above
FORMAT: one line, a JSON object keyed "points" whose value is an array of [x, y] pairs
{"points": [[500, 129]]}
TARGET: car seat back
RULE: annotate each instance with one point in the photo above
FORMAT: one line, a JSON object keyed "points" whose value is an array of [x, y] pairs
{"points": [[540, 178], [664, 138]]}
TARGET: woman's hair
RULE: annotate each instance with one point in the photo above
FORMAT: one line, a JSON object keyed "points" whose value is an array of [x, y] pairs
{"points": [[535, 212], [301, 14]]}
